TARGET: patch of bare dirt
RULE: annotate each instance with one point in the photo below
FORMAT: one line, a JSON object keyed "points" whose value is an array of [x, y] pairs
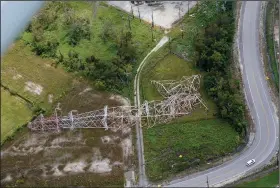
{"points": [[101, 166], [33, 88], [17, 76]]}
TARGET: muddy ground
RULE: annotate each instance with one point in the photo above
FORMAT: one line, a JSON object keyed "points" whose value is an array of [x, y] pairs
{"points": [[82, 157]]}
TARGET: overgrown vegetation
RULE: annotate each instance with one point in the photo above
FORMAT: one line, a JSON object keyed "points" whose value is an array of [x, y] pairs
{"points": [[105, 48], [197, 142], [213, 47], [271, 18], [270, 180]]}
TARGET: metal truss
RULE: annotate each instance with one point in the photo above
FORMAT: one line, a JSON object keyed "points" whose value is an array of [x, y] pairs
{"points": [[160, 112], [188, 85], [107, 118], [181, 97]]}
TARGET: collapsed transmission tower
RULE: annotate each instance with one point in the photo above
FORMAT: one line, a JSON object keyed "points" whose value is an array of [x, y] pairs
{"points": [[181, 97], [113, 118], [171, 87], [159, 112]]}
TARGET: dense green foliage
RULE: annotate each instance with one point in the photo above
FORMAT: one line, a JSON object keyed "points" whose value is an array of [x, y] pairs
{"points": [[105, 49], [214, 57]]}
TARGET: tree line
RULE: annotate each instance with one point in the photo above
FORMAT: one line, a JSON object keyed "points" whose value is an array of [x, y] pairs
{"points": [[214, 47]]}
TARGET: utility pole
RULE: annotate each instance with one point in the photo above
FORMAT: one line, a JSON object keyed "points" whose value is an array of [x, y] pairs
{"points": [[207, 182], [188, 8], [152, 34], [131, 10], [129, 25], [180, 11], [152, 19], [139, 13], [95, 5], [169, 44], [182, 30]]}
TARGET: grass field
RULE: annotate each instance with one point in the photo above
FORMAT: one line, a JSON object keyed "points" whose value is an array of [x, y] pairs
{"points": [[33, 77], [14, 113], [198, 142], [270, 180]]}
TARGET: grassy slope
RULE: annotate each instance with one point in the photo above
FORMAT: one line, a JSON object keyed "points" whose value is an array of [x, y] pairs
{"points": [[270, 43], [270, 180], [180, 133], [21, 61], [203, 140], [14, 113]]}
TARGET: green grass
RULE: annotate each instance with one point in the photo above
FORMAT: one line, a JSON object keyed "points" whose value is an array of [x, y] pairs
{"points": [[197, 142], [270, 180], [270, 43], [19, 60], [14, 113]]}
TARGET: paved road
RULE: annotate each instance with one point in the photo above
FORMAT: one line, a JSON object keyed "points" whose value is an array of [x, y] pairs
{"points": [[260, 104]]}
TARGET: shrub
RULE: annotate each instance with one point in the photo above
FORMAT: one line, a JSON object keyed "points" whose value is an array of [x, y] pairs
{"points": [[80, 29]]}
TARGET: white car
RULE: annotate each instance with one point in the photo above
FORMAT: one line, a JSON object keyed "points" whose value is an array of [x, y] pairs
{"points": [[251, 162]]}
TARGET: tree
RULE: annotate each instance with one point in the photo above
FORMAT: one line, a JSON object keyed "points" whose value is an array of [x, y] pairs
{"points": [[45, 44], [139, 14], [79, 30], [99, 84], [107, 31], [131, 10]]}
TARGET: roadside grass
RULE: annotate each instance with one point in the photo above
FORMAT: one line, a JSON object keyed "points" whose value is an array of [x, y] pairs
{"points": [[198, 142], [270, 180], [20, 65], [14, 113], [270, 44]]}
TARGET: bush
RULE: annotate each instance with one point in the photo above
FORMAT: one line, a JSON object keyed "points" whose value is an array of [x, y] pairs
{"points": [[80, 29]]}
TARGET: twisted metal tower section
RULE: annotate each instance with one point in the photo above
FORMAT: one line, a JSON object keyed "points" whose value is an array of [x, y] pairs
{"points": [[187, 85], [181, 97]]}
